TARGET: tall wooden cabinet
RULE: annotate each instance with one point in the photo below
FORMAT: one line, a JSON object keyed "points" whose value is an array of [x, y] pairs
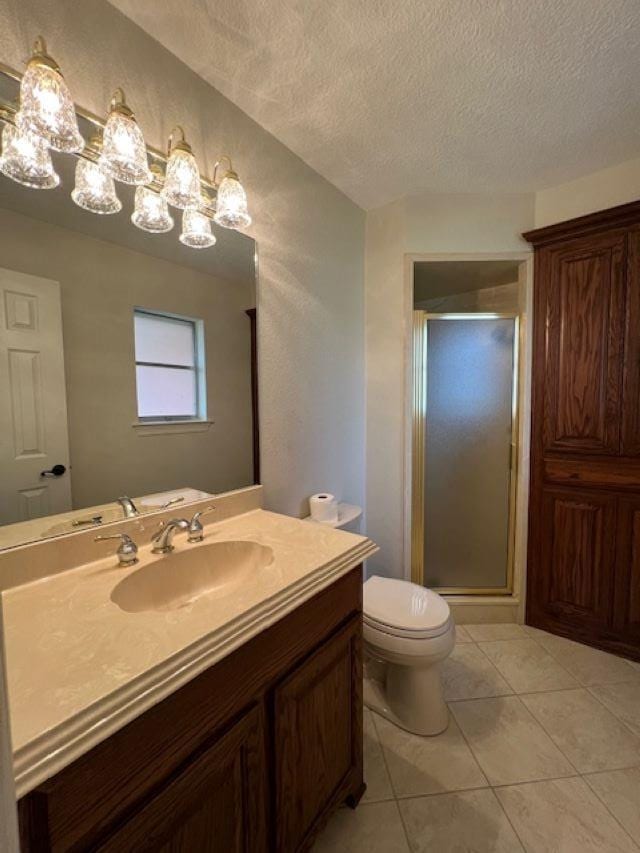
{"points": [[584, 516]]}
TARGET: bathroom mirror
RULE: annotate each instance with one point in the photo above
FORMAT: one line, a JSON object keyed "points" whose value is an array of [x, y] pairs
{"points": [[127, 360]]}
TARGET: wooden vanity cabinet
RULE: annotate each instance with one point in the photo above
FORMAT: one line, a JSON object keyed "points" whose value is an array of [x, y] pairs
{"points": [[252, 755]]}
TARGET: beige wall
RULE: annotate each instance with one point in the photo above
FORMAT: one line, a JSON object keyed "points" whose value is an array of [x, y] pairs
{"points": [[609, 187], [100, 284], [310, 240], [433, 224]]}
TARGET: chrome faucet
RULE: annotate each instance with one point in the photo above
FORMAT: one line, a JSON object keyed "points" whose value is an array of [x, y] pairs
{"points": [[128, 507], [163, 537], [127, 552]]}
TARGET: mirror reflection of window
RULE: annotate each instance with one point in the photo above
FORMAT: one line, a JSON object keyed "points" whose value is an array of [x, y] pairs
{"points": [[170, 369]]}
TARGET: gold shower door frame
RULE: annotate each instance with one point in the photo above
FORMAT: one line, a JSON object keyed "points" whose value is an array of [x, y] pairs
{"points": [[420, 319]]}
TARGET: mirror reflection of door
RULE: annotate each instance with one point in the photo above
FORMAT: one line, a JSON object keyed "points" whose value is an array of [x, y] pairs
{"points": [[33, 405]]}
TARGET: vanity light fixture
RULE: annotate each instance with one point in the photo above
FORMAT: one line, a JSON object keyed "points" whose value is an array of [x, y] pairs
{"points": [[196, 229], [46, 105], [151, 212], [26, 159], [124, 153], [95, 190], [48, 119], [231, 206], [182, 183]]}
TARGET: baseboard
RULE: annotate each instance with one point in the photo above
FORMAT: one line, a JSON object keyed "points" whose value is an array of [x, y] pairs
{"points": [[470, 610]]}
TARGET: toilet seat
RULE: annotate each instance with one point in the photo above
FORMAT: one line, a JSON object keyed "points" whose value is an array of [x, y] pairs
{"points": [[402, 609]]}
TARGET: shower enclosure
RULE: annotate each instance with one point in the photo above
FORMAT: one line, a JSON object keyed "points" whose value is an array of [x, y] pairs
{"points": [[464, 452]]}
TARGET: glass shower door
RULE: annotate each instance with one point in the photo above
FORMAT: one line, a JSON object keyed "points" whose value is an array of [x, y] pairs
{"points": [[469, 432]]}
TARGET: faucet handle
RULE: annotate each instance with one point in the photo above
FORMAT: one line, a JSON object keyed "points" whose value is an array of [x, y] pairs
{"points": [[196, 530], [127, 552]]}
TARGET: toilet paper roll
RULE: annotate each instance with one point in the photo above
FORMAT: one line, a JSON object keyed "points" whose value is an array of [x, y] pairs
{"points": [[324, 508]]}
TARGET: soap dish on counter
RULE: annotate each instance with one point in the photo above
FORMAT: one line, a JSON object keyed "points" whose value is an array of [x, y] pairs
{"points": [[346, 514]]}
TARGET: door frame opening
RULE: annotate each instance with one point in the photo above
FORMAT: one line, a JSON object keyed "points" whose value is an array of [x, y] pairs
{"points": [[514, 599]]}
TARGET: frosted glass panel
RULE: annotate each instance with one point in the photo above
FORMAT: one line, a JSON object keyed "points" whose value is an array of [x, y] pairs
{"points": [[467, 452], [166, 392], [164, 340]]}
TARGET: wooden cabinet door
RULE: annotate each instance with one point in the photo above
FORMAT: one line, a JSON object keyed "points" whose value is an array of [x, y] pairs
{"points": [[215, 804], [631, 383], [627, 587], [318, 736], [576, 557], [583, 283]]}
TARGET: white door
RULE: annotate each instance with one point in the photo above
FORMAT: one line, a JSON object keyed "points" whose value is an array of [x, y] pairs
{"points": [[33, 404]]}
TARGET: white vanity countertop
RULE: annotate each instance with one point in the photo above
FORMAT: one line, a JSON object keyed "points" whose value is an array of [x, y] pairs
{"points": [[79, 667]]}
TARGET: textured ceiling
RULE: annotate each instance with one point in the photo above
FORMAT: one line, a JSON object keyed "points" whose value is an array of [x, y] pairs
{"points": [[386, 99]]}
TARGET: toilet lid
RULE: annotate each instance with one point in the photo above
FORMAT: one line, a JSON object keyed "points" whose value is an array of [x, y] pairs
{"points": [[404, 608]]}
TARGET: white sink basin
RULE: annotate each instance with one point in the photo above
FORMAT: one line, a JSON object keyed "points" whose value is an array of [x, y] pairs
{"points": [[173, 580]]}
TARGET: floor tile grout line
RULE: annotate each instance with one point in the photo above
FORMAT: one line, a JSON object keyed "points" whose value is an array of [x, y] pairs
{"points": [[627, 725], [511, 823], [552, 739], [584, 645], [501, 674], [548, 733], [535, 719], [404, 826], [493, 696], [468, 745], [555, 660], [384, 755], [599, 798], [390, 778]]}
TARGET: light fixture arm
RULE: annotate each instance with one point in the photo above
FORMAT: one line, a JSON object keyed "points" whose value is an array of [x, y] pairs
{"points": [[180, 143], [40, 56], [228, 174], [118, 104]]}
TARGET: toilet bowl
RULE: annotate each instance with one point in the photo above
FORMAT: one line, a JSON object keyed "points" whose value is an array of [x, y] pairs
{"points": [[408, 631]]}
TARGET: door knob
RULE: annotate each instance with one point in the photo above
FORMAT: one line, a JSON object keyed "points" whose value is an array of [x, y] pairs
{"points": [[56, 471]]}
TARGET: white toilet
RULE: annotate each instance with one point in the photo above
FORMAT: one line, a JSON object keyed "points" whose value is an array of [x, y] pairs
{"points": [[408, 631]]}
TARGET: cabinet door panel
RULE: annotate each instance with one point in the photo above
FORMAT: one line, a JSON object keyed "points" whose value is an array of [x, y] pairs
{"points": [[216, 804], [577, 557], [584, 327], [318, 735], [631, 390], [627, 592]]}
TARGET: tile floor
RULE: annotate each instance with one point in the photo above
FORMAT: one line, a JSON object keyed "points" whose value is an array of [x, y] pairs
{"points": [[542, 755]]}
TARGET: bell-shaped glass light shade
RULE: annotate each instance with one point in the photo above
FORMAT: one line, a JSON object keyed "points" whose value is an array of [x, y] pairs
{"points": [[26, 159], [196, 229], [231, 206], [182, 182], [46, 107], [151, 212], [94, 189], [124, 154]]}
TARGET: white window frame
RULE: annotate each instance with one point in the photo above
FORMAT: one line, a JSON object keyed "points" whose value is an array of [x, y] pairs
{"points": [[177, 423]]}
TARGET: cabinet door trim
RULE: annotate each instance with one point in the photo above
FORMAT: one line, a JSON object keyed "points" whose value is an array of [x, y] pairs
{"points": [[583, 361]]}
